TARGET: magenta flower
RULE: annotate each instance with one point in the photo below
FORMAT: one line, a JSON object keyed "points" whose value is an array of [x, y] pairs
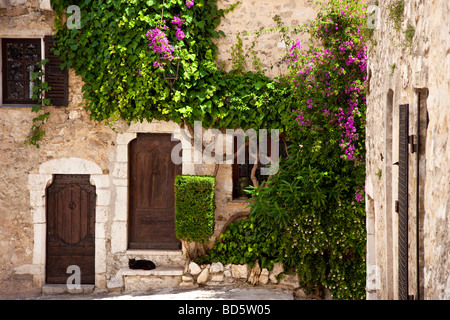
{"points": [[359, 195], [177, 21], [189, 3], [180, 34], [159, 44], [297, 45]]}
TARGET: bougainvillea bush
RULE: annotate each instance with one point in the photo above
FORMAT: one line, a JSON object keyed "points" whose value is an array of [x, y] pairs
{"points": [[317, 194], [314, 205]]}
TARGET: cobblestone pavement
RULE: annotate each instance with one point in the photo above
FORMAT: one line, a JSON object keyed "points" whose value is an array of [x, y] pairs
{"points": [[201, 293]]}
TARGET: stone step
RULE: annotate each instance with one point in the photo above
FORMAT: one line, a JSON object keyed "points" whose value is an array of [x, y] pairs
{"points": [[173, 258], [135, 280], [50, 289], [144, 280]]}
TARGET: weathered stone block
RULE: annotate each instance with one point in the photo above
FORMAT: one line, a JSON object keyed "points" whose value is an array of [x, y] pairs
{"points": [[240, 271], [216, 267], [203, 276], [194, 268], [264, 276]]}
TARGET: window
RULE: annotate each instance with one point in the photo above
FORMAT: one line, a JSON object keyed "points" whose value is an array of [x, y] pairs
{"points": [[242, 172], [19, 58], [19, 61]]}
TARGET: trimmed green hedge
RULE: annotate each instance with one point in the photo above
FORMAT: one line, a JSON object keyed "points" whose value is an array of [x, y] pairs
{"points": [[194, 207]]}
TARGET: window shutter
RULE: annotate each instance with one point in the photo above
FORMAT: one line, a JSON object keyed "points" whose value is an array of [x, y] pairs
{"points": [[56, 78], [403, 179]]}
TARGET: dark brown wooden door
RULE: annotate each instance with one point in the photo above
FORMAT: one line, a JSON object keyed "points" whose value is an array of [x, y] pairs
{"points": [[70, 228], [151, 193]]}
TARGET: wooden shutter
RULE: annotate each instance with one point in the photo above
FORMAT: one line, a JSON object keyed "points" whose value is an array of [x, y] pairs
{"points": [[56, 78], [403, 202]]}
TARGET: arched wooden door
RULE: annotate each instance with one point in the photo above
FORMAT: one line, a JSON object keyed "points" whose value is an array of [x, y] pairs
{"points": [[151, 192], [70, 228]]}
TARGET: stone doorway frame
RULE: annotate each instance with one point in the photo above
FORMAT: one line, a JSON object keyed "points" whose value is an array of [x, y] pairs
{"points": [[119, 175], [37, 185]]}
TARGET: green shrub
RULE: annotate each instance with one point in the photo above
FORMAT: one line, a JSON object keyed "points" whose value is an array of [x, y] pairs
{"points": [[194, 208], [311, 214], [247, 241]]}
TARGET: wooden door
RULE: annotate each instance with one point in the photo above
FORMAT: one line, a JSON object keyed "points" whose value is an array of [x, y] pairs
{"points": [[70, 228], [151, 193]]}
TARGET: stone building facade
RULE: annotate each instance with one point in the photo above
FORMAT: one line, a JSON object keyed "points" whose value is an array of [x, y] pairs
{"points": [[75, 145], [408, 151]]}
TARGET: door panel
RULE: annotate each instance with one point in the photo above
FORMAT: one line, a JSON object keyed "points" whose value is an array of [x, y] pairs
{"points": [[70, 228], [152, 195]]}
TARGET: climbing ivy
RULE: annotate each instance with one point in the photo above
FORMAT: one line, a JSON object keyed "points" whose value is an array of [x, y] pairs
{"points": [[111, 53], [39, 89]]}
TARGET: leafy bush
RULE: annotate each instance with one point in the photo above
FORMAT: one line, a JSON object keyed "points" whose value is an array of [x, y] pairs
{"points": [[312, 213], [317, 195], [194, 207], [246, 241], [124, 79]]}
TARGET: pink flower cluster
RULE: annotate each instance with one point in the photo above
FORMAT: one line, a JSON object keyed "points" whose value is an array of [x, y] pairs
{"points": [[302, 122], [189, 3], [359, 194], [324, 71], [177, 21], [159, 44]]}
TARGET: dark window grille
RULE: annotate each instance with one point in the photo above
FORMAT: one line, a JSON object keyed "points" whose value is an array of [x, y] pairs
{"points": [[19, 61]]}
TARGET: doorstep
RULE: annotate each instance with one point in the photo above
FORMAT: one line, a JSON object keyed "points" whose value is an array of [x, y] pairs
{"points": [[133, 280], [63, 288]]}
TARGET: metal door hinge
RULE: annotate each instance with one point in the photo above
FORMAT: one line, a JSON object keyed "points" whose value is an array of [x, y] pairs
{"points": [[412, 145]]}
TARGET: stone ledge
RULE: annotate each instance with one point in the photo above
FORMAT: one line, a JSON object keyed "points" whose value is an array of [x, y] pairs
{"points": [[158, 271], [144, 280], [62, 288], [137, 279], [143, 252], [217, 275], [172, 258]]}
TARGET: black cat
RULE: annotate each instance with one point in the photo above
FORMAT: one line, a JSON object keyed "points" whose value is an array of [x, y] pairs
{"points": [[141, 264]]}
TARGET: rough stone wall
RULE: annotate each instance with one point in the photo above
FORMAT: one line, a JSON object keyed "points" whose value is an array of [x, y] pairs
{"points": [[252, 15], [70, 134], [398, 74]]}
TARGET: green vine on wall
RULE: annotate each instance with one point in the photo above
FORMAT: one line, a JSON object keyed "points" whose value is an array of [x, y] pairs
{"points": [[39, 89], [112, 55], [395, 14], [395, 19]]}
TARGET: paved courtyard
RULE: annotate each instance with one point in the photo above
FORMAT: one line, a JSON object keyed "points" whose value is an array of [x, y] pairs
{"points": [[201, 293]]}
